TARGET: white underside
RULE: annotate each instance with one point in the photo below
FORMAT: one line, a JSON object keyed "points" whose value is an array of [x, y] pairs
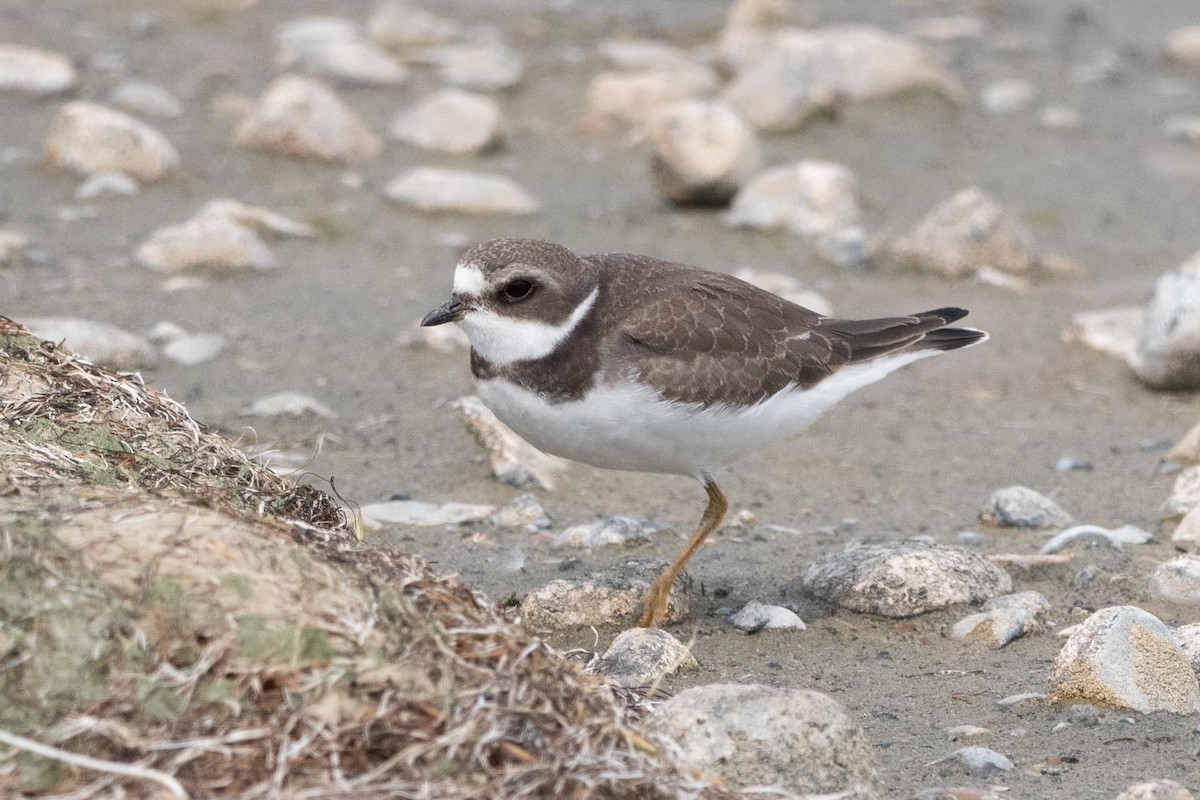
{"points": [[629, 427]]}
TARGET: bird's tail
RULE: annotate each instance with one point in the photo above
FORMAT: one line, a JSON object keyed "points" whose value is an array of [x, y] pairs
{"points": [[872, 338]]}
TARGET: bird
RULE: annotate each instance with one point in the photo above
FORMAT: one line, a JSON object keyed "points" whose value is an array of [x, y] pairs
{"points": [[629, 362]]}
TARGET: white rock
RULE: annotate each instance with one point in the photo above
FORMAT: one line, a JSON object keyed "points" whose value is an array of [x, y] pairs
{"points": [[482, 66], [633, 97], [412, 512], [1124, 657], [513, 460], [1112, 331], [809, 198], [292, 404], [1116, 538], [965, 732], [149, 99], [948, 29], [400, 25], [1156, 790], [300, 117], [117, 184], [1187, 449], [755, 616], [610, 529], [702, 152], [1178, 580], [787, 287], [1185, 495], [194, 348], [451, 120], [90, 138], [523, 511], [1183, 128], [1007, 96], [204, 242], [796, 740], [980, 761], [1183, 45], [1004, 619], [438, 338], [104, 344], [38, 73], [1059, 118], [903, 579], [604, 598], [1188, 639], [806, 71], [1168, 353], [750, 29], [12, 245], [460, 191], [262, 221], [336, 48], [966, 232], [1188, 529], [636, 54], [1022, 507], [644, 656]]}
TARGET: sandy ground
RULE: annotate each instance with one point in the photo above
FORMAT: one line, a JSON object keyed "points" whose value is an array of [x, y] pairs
{"points": [[915, 455]]}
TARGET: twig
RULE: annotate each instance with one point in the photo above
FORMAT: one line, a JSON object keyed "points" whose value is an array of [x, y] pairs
{"points": [[100, 765]]}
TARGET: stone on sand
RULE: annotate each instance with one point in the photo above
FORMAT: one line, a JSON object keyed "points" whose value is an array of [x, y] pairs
{"points": [[1188, 529], [1185, 495], [1177, 580], [754, 617], [1188, 639], [1168, 351], [523, 511], [641, 657], [460, 191], [117, 184], [1022, 507], [222, 235], [963, 234], [12, 245], [1008, 96], [414, 512], [1186, 451], [702, 152], [797, 740], [399, 25], [1123, 657], [1183, 128], [609, 529], [1004, 619], [1112, 331], [1163, 789], [89, 138], [451, 120], [513, 460], [194, 348], [106, 345], [1115, 538], [33, 72], [980, 762], [634, 54], [1183, 45], [903, 579], [293, 404], [147, 99], [481, 66], [603, 598], [302, 118], [633, 97]]}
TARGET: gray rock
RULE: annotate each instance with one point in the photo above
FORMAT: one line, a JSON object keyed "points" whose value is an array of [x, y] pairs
{"points": [[1188, 529], [204, 242], [1168, 351], [148, 99], [292, 404], [451, 120], [755, 617], [1188, 639], [967, 232], [979, 761], [302, 118], [1185, 495], [1072, 464], [523, 511], [1025, 698], [400, 25], [1178, 580], [1156, 790], [513, 460], [336, 48], [809, 198], [641, 657], [633, 97], [961, 793], [37, 73], [1125, 658], [192, 349], [610, 597], [262, 221], [481, 66], [610, 529], [1116, 538], [1183, 45], [1022, 507], [702, 152], [89, 138], [412, 512], [114, 183], [104, 344], [793, 739], [1004, 619], [1007, 96], [460, 191], [1112, 331], [903, 579]]}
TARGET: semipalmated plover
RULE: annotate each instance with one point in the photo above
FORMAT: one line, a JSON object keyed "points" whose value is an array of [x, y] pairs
{"points": [[627, 362]]}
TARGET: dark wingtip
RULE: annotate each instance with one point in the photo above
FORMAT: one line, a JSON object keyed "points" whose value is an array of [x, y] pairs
{"points": [[946, 315], [953, 338]]}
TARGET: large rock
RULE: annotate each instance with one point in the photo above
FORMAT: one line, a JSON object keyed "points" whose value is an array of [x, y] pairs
{"points": [[336, 48], [303, 118], [513, 460], [1177, 580], [966, 233], [903, 579], [38, 73], [803, 72], [451, 120], [644, 656], [613, 596], [1185, 496], [1156, 790], [223, 234], [794, 739], [90, 138], [1168, 351], [633, 97], [1004, 619], [702, 152], [452, 190], [148, 99], [1188, 529], [400, 25], [1123, 657], [1022, 507], [106, 345]]}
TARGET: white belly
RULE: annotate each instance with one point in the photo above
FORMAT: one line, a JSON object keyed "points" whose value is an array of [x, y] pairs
{"points": [[629, 427]]}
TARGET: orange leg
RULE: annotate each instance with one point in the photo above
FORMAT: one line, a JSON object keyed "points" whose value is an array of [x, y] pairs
{"points": [[654, 607]]}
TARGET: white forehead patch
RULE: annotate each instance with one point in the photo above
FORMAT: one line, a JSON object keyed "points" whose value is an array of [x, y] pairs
{"points": [[469, 280], [503, 340]]}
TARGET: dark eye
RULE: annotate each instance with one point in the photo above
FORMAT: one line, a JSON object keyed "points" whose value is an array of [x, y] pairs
{"points": [[518, 289]]}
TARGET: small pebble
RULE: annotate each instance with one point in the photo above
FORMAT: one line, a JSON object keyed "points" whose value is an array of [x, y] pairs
{"points": [[1072, 464], [755, 616]]}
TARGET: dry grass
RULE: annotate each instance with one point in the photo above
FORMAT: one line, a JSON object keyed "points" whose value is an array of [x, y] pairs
{"points": [[197, 626]]}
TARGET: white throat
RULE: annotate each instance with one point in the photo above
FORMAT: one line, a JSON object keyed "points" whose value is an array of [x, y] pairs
{"points": [[503, 340]]}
